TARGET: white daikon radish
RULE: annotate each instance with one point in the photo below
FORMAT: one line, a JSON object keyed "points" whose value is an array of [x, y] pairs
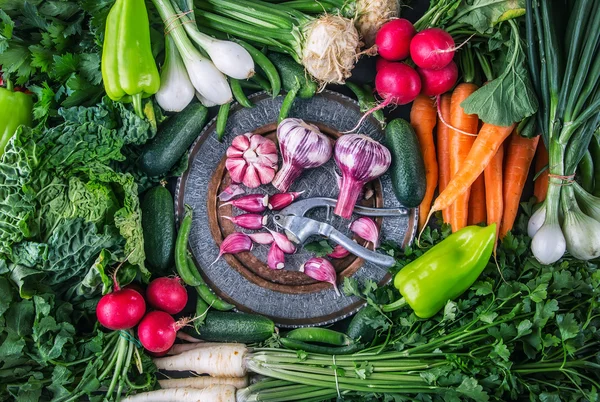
{"points": [[203, 381], [217, 361], [214, 393]]}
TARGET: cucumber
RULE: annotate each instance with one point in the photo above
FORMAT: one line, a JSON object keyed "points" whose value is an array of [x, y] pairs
{"points": [[293, 74], [158, 224], [173, 139], [233, 327], [408, 169], [360, 328]]}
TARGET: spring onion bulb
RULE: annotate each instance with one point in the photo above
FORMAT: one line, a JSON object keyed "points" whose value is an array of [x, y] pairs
{"points": [[176, 90], [205, 77], [204, 101], [536, 220], [327, 46], [549, 244]]}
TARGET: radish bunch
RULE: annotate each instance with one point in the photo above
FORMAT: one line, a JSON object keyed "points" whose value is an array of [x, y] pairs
{"points": [[431, 50], [125, 308]]}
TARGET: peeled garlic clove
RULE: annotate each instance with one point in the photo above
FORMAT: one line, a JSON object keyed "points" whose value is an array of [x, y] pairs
{"points": [[275, 257], [283, 242], [321, 269], [234, 243], [282, 200], [261, 238], [248, 221], [365, 228], [250, 203], [338, 252]]}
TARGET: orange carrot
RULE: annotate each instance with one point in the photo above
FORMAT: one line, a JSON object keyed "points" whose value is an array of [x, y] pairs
{"points": [[484, 148], [443, 149], [519, 156], [494, 197], [423, 117], [460, 145], [477, 207], [540, 185]]}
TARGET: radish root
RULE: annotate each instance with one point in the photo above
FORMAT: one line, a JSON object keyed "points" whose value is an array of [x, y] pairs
{"points": [[368, 113]]}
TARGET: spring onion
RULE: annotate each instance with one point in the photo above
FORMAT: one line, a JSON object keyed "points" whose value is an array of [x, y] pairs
{"points": [[327, 46], [176, 90]]}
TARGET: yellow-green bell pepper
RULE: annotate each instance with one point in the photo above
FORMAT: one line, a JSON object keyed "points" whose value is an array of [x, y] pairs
{"points": [[15, 110], [128, 68], [445, 271]]}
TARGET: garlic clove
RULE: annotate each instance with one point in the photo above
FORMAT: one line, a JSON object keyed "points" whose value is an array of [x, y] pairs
{"points": [[275, 257], [267, 148], [365, 228], [283, 242], [321, 270], [338, 252], [233, 152], [256, 140], [234, 243], [250, 203], [248, 221], [241, 142], [268, 160], [251, 178], [261, 238], [265, 173], [237, 169], [282, 200]]}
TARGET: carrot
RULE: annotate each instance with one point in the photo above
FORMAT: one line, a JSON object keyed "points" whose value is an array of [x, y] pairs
{"points": [[477, 206], [484, 148], [494, 197], [460, 145], [443, 149], [423, 117], [540, 185], [519, 156]]}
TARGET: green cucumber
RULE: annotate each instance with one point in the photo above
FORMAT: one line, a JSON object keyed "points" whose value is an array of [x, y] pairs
{"points": [[293, 74], [173, 139], [408, 169], [360, 328], [158, 224], [233, 327]]}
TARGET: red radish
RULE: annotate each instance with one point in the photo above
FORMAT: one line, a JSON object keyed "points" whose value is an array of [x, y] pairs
{"points": [[432, 48], [121, 309], [157, 331], [393, 39], [380, 63], [137, 287], [437, 82], [397, 83], [167, 294]]}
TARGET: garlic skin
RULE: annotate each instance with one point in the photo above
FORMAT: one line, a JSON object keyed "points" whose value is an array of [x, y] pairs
{"points": [[275, 257], [360, 159], [321, 269], [232, 191], [251, 160], [176, 90], [365, 228], [302, 146]]}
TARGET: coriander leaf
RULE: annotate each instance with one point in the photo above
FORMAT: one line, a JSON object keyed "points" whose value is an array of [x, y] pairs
{"points": [[524, 328], [488, 317], [6, 30], [567, 326], [64, 65], [319, 248], [483, 288], [351, 287], [484, 15], [469, 387], [510, 97]]}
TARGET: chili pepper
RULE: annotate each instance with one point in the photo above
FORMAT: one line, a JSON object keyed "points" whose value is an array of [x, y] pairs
{"points": [[444, 272], [129, 71], [238, 93], [15, 110], [222, 120], [320, 335]]}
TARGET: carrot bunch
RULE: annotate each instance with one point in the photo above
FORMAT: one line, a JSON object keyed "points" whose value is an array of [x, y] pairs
{"points": [[480, 170]]}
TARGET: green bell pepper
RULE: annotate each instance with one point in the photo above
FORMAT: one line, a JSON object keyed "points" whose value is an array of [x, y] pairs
{"points": [[129, 70], [15, 110], [445, 271]]}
